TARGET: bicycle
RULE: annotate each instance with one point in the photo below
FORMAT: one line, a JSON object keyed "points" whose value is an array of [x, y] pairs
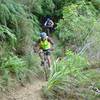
{"points": [[48, 30], [45, 65], [44, 62], [44, 55]]}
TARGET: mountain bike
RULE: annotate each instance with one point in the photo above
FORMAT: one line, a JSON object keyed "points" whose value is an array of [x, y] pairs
{"points": [[46, 66], [44, 58]]}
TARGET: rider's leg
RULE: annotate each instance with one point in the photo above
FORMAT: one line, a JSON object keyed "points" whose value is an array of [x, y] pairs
{"points": [[48, 31], [41, 56], [49, 60], [48, 57]]}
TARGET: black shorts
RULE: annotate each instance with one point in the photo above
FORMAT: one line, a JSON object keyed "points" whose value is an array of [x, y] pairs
{"points": [[47, 52]]}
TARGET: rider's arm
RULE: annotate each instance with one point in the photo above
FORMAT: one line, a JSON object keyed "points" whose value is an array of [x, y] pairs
{"points": [[52, 23], [37, 43], [45, 24], [36, 46], [50, 40]]}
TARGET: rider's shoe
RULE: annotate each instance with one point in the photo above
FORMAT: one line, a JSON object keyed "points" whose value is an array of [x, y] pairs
{"points": [[42, 63]]}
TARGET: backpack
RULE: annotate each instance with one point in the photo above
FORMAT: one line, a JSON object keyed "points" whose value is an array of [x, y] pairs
{"points": [[49, 23]]}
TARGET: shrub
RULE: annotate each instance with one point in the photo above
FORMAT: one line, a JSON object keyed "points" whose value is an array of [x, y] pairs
{"points": [[62, 72]]}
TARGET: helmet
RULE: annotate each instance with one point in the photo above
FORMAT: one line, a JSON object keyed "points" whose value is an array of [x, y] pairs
{"points": [[43, 34]]}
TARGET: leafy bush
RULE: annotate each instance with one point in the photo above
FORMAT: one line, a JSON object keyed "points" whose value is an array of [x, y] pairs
{"points": [[91, 46], [77, 22], [39, 7], [72, 66], [13, 64], [23, 25], [7, 35]]}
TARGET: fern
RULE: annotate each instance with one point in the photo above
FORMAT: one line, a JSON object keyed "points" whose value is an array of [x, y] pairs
{"points": [[6, 33], [76, 25], [4, 16], [14, 65]]}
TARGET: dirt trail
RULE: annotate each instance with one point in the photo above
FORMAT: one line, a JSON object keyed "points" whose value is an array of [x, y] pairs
{"points": [[29, 92]]}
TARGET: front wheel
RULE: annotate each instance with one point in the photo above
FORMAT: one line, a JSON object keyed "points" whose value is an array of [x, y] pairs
{"points": [[46, 68]]}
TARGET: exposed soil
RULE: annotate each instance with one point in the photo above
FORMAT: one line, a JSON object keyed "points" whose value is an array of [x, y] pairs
{"points": [[29, 92]]}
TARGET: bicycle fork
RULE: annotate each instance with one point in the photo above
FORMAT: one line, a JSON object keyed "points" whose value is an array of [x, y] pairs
{"points": [[46, 65]]}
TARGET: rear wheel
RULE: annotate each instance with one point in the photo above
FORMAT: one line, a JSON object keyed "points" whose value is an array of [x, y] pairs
{"points": [[48, 31]]}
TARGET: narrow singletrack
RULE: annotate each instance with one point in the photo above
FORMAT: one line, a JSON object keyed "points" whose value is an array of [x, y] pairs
{"points": [[29, 92]]}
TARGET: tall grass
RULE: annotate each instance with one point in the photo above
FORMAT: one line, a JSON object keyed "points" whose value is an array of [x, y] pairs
{"points": [[13, 64], [64, 72]]}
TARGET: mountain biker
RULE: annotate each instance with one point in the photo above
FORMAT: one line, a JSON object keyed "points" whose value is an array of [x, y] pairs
{"points": [[45, 44], [49, 25]]}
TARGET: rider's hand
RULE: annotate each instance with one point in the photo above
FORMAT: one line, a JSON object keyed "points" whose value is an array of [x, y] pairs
{"points": [[52, 48]]}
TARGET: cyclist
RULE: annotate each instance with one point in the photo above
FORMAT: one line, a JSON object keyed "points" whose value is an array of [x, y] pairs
{"points": [[45, 44], [49, 25]]}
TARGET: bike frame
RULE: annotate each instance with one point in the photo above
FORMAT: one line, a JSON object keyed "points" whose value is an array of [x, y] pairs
{"points": [[46, 65]]}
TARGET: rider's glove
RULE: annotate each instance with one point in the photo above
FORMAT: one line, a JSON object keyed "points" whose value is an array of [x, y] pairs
{"points": [[53, 47]]}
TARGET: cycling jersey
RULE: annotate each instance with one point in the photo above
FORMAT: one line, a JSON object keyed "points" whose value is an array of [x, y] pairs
{"points": [[45, 44]]}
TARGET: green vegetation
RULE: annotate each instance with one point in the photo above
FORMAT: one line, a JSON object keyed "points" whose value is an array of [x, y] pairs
{"points": [[64, 72], [76, 25], [18, 28]]}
